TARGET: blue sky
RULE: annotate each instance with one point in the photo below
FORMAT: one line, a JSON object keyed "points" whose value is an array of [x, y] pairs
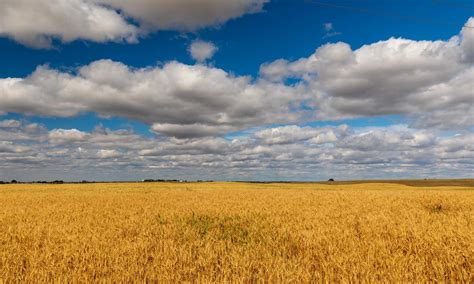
{"points": [[265, 51]]}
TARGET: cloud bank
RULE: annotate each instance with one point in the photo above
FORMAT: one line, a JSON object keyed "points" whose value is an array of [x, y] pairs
{"points": [[280, 153]]}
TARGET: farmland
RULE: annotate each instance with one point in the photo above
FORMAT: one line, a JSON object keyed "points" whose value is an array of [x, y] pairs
{"points": [[224, 231]]}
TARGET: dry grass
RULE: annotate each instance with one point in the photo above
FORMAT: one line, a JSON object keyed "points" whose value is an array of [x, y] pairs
{"points": [[414, 182], [236, 232]]}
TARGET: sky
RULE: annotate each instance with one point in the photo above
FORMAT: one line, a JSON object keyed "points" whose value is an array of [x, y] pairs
{"points": [[236, 90]]}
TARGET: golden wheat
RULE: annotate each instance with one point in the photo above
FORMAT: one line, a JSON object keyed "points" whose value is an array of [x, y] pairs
{"points": [[236, 232]]}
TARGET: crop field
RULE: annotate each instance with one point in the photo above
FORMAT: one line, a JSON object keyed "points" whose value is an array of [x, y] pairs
{"points": [[244, 232]]}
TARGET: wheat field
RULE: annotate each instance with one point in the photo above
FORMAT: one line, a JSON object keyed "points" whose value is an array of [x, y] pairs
{"points": [[236, 232]]}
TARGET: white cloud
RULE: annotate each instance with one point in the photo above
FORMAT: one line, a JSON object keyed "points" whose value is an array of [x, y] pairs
{"points": [[430, 81], [187, 15], [467, 40], [108, 154], [175, 97], [10, 123], [287, 152], [189, 130], [10, 148], [202, 50], [328, 27], [65, 136], [291, 134], [37, 22]]}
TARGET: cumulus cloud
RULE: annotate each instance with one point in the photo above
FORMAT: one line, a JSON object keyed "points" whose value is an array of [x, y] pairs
{"points": [[189, 130], [287, 152], [66, 136], [202, 50], [108, 154], [176, 98], [9, 147], [292, 134], [428, 80], [9, 123], [187, 15], [37, 22], [467, 40]]}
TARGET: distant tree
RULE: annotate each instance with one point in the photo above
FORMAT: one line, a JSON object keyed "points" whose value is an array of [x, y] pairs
{"points": [[331, 180], [2, 182], [14, 181]]}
